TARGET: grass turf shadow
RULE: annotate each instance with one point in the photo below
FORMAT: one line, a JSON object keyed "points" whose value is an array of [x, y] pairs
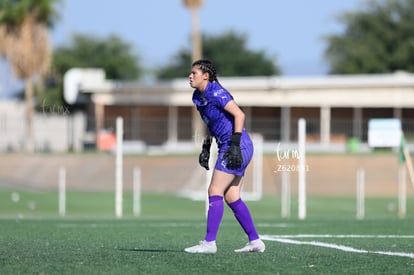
{"points": [[147, 250]]}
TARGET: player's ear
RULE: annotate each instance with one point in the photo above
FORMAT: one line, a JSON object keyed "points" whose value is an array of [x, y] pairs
{"points": [[206, 76]]}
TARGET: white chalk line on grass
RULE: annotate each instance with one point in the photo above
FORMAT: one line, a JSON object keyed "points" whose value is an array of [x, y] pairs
{"points": [[352, 236], [344, 248]]}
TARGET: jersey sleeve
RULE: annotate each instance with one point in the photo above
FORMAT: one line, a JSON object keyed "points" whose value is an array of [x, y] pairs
{"points": [[222, 97]]}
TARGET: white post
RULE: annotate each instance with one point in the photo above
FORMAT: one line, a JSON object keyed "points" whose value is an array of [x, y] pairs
{"points": [[285, 194], [137, 192], [301, 169], [208, 178], [62, 191], [118, 167], [360, 195], [209, 174], [402, 191], [257, 166]]}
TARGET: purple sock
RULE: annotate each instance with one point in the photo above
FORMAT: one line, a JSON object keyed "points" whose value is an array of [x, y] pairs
{"points": [[242, 214], [214, 216]]}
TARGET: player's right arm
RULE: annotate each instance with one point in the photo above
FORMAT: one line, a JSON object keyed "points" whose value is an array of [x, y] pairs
{"points": [[204, 156]]}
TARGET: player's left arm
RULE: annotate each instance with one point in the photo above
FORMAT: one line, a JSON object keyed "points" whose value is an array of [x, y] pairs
{"points": [[238, 114], [233, 154]]}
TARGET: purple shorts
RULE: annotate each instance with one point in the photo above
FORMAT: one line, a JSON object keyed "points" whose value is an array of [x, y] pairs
{"points": [[246, 147]]}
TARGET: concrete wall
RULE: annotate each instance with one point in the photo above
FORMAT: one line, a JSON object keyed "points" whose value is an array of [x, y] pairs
{"points": [[327, 174], [54, 131]]}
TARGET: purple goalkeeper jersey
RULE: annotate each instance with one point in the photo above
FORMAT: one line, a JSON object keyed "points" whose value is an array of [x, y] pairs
{"points": [[220, 123], [211, 104]]}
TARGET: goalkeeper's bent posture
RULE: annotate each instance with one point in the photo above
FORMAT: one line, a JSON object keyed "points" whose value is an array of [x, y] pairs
{"points": [[225, 122]]}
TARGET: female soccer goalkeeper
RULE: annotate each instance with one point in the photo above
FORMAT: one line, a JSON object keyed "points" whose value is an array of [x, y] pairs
{"points": [[225, 122]]}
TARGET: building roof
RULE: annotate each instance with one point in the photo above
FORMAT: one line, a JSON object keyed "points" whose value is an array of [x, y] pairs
{"points": [[376, 91]]}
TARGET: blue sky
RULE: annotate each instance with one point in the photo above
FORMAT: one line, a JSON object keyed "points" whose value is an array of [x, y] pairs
{"points": [[290, 32]]}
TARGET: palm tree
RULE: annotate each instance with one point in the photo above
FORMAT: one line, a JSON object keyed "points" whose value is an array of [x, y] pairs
{"points": [[24, 42], [194, 6]]}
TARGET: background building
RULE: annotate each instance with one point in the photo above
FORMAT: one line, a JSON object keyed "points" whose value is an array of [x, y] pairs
{"points": [[336, 108]]}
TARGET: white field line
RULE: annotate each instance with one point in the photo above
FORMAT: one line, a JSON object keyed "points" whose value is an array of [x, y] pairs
{"points": [[329, 236], [344, 248]]}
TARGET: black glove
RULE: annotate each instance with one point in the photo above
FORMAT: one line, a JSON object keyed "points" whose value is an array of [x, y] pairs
{"points": [[204, 156], [233, 154]]}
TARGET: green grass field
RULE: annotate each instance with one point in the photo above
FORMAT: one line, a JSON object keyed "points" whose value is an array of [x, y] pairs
{"points": [[89, 240]]}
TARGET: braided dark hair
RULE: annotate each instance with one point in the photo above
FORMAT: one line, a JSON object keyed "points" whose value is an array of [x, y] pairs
{"points": [[206, 66]]}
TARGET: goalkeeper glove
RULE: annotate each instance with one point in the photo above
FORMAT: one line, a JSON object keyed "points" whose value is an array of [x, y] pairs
{"points": [[204, 156], [233, 154]]}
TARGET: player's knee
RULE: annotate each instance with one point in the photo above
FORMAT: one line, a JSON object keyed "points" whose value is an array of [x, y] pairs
{"points": [[215, 191], [230, 197]]}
